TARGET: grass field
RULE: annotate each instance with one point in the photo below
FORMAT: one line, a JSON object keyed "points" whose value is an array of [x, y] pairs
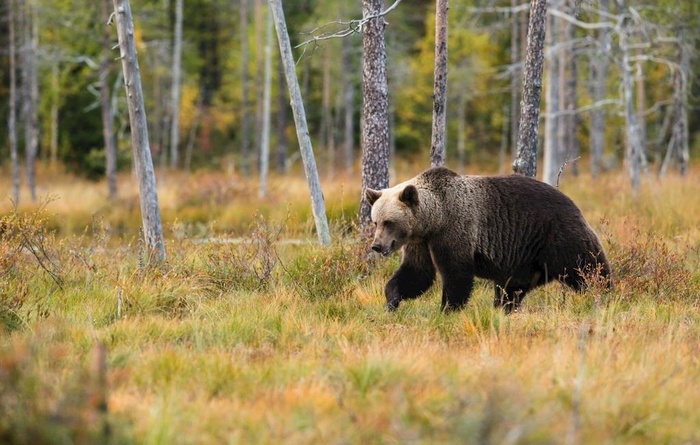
{"points": [[262, 340]]}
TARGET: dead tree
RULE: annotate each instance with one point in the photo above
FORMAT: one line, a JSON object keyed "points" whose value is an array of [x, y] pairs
{"points": [[437, 148], [150, 211], [525, 162], [318, 206]]}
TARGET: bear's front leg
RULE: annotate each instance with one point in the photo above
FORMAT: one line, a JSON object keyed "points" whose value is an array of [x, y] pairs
{"points": [[414, 277]]}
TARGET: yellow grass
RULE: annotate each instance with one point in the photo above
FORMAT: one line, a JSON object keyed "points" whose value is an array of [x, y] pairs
{"points": [[202, 352]]}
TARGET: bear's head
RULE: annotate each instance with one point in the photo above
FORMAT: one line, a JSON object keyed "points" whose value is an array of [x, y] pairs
{"points": [[394, 214]]}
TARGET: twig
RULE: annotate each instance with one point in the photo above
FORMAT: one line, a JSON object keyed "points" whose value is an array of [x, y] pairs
{"points": [[561, 169]]}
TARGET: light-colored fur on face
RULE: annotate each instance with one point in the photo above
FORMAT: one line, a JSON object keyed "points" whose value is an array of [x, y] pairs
{"points": [[393, 213]]}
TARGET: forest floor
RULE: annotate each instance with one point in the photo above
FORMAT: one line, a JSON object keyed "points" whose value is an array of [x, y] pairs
{"points": [[267, 341]]}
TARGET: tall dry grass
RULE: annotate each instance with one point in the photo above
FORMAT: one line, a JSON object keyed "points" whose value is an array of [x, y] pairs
{"points": [[261, 340]]}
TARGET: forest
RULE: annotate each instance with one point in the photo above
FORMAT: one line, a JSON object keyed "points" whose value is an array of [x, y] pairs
{"points": [[258, 327]]}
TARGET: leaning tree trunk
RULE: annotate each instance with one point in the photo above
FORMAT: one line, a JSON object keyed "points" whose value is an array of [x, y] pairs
{"points": [[106, 105], [437, 148], [525, 162], [150, 211], [12, 118], [318, 207], [175, 90], [375, 111]]}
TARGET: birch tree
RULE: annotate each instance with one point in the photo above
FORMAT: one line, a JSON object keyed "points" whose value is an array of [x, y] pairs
{"points": [[525, 162], [318, 206], [150, 211], [550, 157], [30, 92], [375, 108], [437, 148]]}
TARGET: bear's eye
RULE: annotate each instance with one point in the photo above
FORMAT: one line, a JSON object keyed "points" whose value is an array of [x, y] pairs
{"points": [[388, 224]]}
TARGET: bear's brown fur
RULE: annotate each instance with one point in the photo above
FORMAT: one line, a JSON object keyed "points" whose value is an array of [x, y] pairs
{"points": [[516, 231]]}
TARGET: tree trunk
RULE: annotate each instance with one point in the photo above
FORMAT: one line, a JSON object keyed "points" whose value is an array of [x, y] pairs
{"points": [[267, 98], [437, 149], [245, 62], [375, 112], [30, 89], [318, 206], [600, 65], [525, 162], [106, 105], [150, 211], [281, 121], [12, 118], [550, 157], [175, 91], [634, 150]]}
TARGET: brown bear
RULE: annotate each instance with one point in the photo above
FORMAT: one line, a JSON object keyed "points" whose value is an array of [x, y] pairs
{"points": [[514, 230]]}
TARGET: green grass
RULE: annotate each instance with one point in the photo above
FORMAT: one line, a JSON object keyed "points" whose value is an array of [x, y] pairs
{"points": [[264, 341]]}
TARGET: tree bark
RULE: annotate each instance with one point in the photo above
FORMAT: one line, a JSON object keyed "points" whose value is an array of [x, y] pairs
{"points": [[150, 211], [106, 105], [175, 88], [375, 111], [437, 148], [12, 118], [525, 162], [318, 206]]}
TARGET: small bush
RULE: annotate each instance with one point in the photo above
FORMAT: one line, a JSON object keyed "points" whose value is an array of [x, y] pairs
{"points": [[245, 263], [327, 272]]}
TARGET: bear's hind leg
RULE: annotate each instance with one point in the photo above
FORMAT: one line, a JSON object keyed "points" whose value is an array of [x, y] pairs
{"points": [[414, 277], [509, 298]]}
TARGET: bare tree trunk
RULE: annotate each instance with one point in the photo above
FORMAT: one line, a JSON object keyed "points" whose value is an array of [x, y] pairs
{"points": [[150, 211], [525, 162], [245, 62], [106, 105], [600, 65], [175, 91], [375, 112], [12, 118], [550, 158], [634, 151], [318, 205], [437, 149], [31, 93], [267, 98]]}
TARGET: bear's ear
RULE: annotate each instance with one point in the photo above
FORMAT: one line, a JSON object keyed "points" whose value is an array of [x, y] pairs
{"points": [[409, 196], [371, 196]]}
